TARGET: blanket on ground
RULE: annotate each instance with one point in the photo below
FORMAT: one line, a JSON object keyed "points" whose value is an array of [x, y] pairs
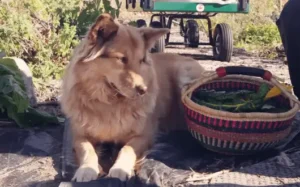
{"points": [[177, 159]]}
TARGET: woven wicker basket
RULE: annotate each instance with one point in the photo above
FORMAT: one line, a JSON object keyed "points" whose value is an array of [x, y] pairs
{"points": [[237, 133]]}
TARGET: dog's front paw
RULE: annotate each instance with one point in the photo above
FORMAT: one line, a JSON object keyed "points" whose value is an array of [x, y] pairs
{"points": [[86, 173], [120, 173]]}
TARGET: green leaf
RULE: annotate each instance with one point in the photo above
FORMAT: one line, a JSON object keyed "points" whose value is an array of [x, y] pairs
{"points": [[34, 117], [236, 101], [13, 93], [9, 65], [14, 100]]}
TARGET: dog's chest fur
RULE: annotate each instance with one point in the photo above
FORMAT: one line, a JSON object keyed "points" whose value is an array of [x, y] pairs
{"points": [[118, 123]]}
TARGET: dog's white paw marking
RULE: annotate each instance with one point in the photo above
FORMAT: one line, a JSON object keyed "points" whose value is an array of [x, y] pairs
{"points": [[120, 173], [86, 173]]}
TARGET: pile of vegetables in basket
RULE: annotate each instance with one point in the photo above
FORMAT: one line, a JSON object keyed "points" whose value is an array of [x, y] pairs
{"points": [[242, 100]]}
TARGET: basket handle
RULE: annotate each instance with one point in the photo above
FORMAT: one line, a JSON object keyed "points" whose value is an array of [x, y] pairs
{"points": [[250, 71]]}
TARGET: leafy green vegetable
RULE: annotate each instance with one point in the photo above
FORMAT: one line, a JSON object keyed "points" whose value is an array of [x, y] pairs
{"points": [[222, 95], [12, 95], [32, 117], [14, 100], [238, 101], [12, 69]]}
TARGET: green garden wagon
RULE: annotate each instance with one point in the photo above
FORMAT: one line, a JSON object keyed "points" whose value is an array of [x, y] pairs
{"points": [[188, 11]]}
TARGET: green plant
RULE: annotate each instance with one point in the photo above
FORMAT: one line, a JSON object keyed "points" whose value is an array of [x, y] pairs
{"points": [[262, 39], [14, 102], [133, 23], [43, 32], [266, 34]]}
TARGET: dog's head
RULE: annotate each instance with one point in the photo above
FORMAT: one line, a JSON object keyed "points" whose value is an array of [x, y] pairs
{"points": [[112, 62]]}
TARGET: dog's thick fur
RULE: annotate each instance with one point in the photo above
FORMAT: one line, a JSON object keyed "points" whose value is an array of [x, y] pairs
{"points": [[115, 91]]}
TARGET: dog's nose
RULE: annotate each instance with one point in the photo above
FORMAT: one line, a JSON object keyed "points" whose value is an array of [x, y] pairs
{"points": [[141, 89]]}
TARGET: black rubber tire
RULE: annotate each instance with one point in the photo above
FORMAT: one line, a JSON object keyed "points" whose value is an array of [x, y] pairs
{"points": [[127, 4], [156, 24], [159, 46], [223, 42], [192, 33], [141, 23]]}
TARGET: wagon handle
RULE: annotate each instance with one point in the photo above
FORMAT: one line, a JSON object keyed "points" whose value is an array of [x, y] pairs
{"points": [[250, 71]]}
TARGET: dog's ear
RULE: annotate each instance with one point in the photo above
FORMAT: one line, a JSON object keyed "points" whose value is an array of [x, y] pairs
{"points": [[151, 35], [103, 29]]}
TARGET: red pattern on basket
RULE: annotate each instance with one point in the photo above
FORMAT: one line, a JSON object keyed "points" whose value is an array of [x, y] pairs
{"points": [[248, 86], [221, 123], [252, 125], [221, 71], [247, 125], [263, 125], [235, 136], [279, 124], [230, 85], [270, 125], [200, 118], [227, 123], [275, 124], [215, 122], [240, 124], [233, 124]]}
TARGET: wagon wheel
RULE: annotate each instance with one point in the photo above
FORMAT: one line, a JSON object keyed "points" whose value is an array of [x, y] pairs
{"points": [[127, 4], [191, 37], [142, 3], [223, 42], [159, 46], [141, 23]]}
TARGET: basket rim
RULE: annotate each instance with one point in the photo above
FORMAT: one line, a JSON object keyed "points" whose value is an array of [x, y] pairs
{"points": [[225, 115]]}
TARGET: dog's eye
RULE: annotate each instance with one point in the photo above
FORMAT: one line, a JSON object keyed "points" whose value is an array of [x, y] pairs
{"points": [[124, 60]]}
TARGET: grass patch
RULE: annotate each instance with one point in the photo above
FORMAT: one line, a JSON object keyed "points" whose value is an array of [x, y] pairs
{"points": [[261, 39]]}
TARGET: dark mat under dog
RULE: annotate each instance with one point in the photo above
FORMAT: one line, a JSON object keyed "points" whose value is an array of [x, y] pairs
{"points": [[177, 159], [30, 157]]}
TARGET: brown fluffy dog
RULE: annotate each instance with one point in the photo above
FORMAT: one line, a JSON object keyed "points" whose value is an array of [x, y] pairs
{"points": [[115, 91]]}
